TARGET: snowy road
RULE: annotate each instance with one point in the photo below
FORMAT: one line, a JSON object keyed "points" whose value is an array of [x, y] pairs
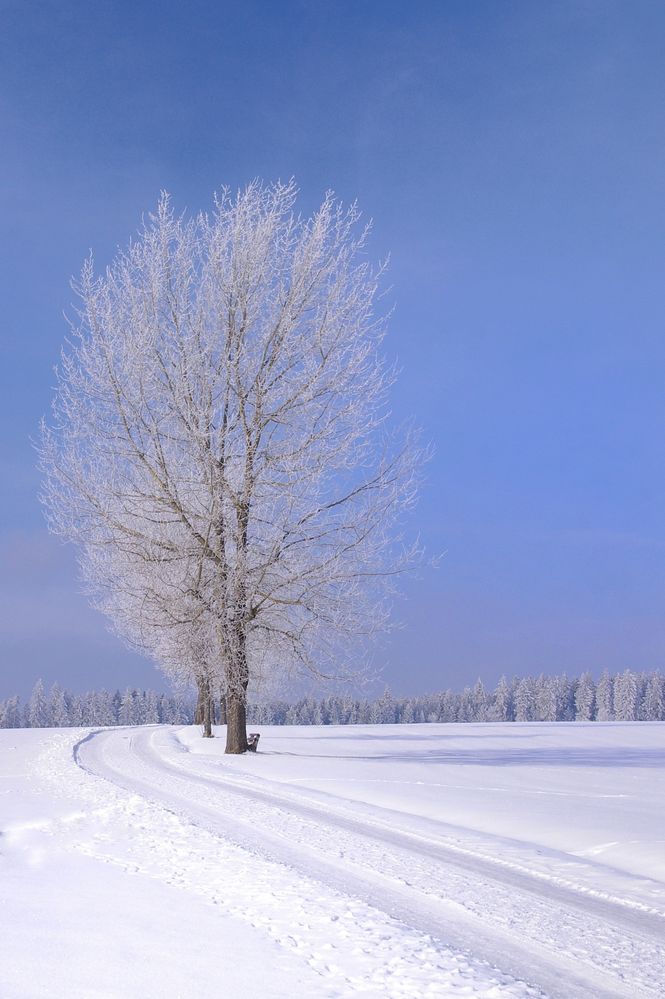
{"points": [[415, 893]]}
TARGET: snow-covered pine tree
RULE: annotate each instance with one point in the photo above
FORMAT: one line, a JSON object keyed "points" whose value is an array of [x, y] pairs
{"points": [[127, 714], [479, 701], [653, 703], [38, 707], [605, 697], [585, 698], [58, 714], [77, 711], [12, 713], [626, 696], [525, 699], [501, 705], [545, 699], [565, 698], [151, 716]]}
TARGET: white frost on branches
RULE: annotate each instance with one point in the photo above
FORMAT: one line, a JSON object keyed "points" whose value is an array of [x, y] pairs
{"points": [[219, 448]]}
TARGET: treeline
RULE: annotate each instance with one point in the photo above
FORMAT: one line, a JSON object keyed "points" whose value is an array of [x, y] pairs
{"points": [[626, 696], [59, 708]]}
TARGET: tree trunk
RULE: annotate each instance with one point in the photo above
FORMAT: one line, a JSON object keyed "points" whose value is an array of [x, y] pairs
{"points": [[207, 716], [198, 712], [204, 708], [236, 724], [237, 680], [222, 709]]}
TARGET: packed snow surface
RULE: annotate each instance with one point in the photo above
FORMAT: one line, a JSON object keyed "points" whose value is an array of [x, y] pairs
{"points": [[468, 860]]}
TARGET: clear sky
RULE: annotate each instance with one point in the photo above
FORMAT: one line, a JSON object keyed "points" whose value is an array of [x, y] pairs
{"points": [[512, 156]]}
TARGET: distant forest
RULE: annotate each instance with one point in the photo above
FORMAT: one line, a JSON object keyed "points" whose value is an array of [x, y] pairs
{"points": [[626, 696]]}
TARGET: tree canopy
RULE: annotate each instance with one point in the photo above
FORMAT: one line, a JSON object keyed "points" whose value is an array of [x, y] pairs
{"points": [[219, 448]]}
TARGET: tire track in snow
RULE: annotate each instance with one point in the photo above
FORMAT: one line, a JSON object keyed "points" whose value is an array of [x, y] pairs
{"points": [[357, 949], [577, 884], [568, 943]]}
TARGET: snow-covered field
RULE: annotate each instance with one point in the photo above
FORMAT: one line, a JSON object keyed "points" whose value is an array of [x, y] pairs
{"points": [[391, 861]]}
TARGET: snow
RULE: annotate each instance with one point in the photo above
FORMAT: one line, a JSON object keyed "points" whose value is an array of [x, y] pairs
{"points": [[73, 926], [524, 782], [396, 861]]}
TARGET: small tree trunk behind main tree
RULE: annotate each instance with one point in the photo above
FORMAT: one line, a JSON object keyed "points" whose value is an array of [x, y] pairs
{"points": [[208, 716], [204, 707], [198, 711]]}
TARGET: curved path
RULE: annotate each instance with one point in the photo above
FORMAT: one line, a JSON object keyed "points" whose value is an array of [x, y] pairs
{"points": [[561, 938]]}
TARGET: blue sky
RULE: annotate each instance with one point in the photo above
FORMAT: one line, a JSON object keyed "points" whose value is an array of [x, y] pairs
{"points": [[512, 157]]}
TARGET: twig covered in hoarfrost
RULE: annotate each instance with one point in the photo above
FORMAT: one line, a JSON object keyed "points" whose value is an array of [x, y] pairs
{"points": [[219, 448]]}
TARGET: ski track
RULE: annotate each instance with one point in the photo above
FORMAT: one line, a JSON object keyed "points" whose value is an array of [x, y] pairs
{"points": [[374, 907]]}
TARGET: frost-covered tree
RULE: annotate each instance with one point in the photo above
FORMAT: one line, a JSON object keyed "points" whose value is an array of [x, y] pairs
{"points": [[479, 701], [525, 699], [151, 715], [166, 710], [10, 713], [292, 715], [447, 707], [176, 710], [564, 692], [545, 696], [605, 697], [501, 709], [464, 711], [140, 706], [585, 698], [58, 713], [653, 702], [106, 709], [385, 708], [13, 712], [116, 701], [408, 713], [77, 712], [127, 713], [625, 692], [38, 714], [332, 711], [626, 698], [219, 448]]}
